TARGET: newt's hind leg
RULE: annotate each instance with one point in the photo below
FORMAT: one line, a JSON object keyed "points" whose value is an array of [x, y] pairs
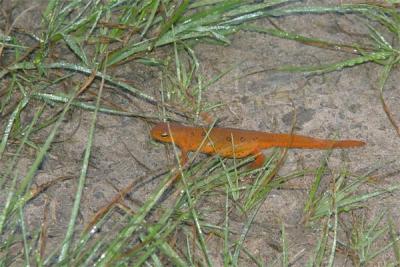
{"points": [[258, 161]]}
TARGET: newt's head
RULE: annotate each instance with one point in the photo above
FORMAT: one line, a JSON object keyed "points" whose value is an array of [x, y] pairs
{"points": [[162, 133]]}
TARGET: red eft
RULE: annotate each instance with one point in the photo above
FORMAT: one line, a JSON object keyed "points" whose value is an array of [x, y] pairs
{"points": [[238, 143]]}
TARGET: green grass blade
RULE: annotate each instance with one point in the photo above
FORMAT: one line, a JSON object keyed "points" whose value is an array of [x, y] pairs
{"points": [[315, 186], [195, 218], [81, 183], [285, 252], [395, 239], [52, 98], [24, 236], [76, 48], [17, 154], [242, 238], [82, 69], [24, 183], [176, 15], [9, 200], [335, 212], [7, 130], [317, 258], [375, 57], [227, 254], [172, 255], [135, 222]]}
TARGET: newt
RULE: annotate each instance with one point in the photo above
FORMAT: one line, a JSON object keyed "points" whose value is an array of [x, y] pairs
{"points": [[238, 143]]}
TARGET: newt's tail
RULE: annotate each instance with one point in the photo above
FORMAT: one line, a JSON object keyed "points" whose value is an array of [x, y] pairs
{"points": [[300, 141]]}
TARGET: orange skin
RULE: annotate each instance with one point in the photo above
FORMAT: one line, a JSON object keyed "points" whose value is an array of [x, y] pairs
{"points": [[237, 143]]}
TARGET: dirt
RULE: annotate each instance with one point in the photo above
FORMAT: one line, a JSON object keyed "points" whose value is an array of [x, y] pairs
{"points": [[344, 103]]}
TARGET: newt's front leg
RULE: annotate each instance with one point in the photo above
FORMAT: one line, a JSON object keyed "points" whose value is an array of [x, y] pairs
{"points": [[182, 161], [184, 157], [259, 159]]}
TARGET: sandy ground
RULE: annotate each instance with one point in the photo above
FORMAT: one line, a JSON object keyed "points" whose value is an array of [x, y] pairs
{"points": [[344, 103]]}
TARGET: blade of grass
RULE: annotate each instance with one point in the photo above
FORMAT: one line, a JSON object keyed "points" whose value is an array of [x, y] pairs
{"points": [[150, 19], [11, 193], [81, 183], [52, 98], [346, 199], [285, 252], [176, 15], [381, 84], [24, 183], [7, 130], [395, 239], [192, 207], [317, 181], [76, 48], [82, 69], [172, 255], [363, 238], [337, 66], [159, 238], [226, 253], [243, 235], [8, 94], [303, 39], [17, 154], [115, 246], [24, 236], [84, 252], [317, 258], [335, 212]]}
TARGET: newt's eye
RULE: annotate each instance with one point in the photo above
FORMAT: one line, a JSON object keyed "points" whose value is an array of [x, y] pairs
{"points": [[164, 134]]}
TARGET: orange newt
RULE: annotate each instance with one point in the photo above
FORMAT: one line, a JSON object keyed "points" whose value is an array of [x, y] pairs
{"points": [[238, 143]]}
